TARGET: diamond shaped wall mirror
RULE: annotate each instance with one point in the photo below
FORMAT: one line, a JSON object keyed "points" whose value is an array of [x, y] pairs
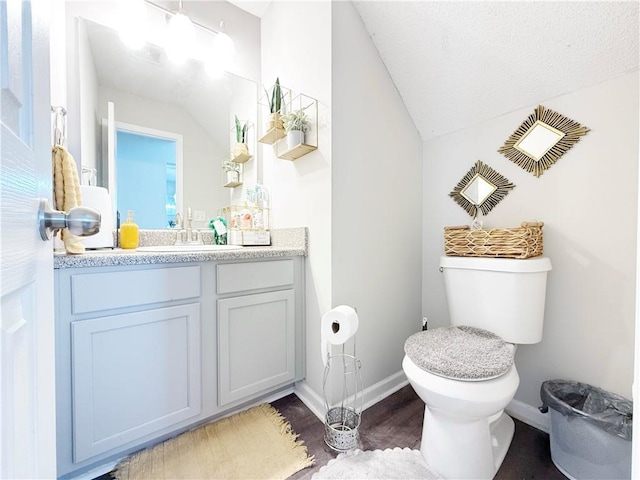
{"points": [[478, 190], [481, 188], [541, 140], [538, 140]]}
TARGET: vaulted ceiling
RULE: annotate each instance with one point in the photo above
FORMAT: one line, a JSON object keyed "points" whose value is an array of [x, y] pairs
{"points": [[458, 63]]}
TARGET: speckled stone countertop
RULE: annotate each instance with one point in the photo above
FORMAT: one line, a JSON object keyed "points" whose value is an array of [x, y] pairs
{"points": [[285, 242]]}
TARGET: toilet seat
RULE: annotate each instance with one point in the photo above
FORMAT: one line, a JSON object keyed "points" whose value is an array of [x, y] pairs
{"points": [[460, 353]]}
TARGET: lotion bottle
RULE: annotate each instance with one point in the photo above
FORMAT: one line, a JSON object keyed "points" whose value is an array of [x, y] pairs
{"points": [[129, 236]]}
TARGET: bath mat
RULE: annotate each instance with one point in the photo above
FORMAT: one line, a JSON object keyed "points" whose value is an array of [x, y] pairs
{"points": [[257, 444], [397, 463]]}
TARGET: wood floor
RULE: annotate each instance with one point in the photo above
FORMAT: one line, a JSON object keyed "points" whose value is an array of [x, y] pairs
{"points": [[396, 421]]}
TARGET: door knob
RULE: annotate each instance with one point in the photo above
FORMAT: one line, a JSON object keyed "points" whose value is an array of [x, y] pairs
{"points": [[81, 221]]}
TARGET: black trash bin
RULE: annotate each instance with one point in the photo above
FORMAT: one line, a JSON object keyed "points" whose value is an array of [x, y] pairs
{"points": [[590, 430]]}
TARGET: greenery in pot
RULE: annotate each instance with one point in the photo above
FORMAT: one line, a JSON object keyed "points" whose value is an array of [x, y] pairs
{"points": [[241, 131], [296, 120], [275, 102], [230, 166]]}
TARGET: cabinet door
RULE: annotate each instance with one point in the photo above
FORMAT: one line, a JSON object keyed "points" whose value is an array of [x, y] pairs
{"points": [[133, 374], [255, 344]]}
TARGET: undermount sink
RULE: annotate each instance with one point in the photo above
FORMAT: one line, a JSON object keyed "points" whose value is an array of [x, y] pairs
{"points": [[188, 248]]}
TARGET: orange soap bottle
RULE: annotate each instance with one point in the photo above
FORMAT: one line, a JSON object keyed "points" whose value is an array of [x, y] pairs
{"points": [[129, 236]]}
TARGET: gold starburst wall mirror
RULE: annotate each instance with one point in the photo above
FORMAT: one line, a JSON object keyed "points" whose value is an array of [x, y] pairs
{"points": [[481, 188], [541, 140]]}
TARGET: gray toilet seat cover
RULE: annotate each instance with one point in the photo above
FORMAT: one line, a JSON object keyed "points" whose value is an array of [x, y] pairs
{"points": [[460, 353]]}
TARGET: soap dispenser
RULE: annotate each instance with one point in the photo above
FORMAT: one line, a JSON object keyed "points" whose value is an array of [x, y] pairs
{"points": [[129, 236]]}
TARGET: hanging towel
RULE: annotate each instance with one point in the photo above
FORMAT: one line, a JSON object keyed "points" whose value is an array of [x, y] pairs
{"points": [[66, 192]]}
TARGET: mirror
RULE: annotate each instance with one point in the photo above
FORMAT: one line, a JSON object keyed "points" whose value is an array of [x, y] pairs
{"points": [[541, 140], [538, 140], [481, 188], [478, 190], [149, 95]]}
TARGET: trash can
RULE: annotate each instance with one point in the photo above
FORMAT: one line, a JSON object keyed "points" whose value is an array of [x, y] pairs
{"points": [[590, 430]]}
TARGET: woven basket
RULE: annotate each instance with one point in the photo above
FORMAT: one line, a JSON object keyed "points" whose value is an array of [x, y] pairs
{"points": [[521, 242]]}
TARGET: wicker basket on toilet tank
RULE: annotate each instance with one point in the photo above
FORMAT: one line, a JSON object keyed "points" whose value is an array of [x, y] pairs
{"points": [[521, 242]]}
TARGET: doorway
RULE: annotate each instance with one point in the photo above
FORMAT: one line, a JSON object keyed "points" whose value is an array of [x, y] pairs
{"points": [[148, 172]]}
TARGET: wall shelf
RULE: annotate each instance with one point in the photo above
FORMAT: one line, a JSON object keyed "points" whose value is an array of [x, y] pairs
{"points": [[297, 151], [272, 136], [232, 184], [242, 158], [299, 141]]}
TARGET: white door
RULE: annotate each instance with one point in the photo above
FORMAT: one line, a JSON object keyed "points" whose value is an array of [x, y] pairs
{"points": [[27, 382]]}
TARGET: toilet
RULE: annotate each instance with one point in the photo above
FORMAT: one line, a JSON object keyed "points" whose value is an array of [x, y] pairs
{"points": [[465, 373]]}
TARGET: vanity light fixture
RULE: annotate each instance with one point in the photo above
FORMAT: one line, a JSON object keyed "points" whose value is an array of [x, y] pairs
{"points": [[133, 23], [178, 38], [181, 37]]}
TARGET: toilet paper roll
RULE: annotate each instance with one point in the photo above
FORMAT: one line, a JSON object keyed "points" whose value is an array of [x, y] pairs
{"points": [[337, 326]]}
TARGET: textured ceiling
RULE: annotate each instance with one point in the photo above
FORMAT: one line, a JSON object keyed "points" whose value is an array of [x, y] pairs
{"points": [[456, 64]]}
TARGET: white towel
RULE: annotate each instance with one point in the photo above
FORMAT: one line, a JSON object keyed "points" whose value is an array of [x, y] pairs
{"points": [[66, 192]]}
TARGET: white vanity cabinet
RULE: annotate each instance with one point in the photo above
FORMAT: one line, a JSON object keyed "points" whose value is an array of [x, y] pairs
{"points": [[129, 356], [145, 351], [259, 335], [133, 375]]}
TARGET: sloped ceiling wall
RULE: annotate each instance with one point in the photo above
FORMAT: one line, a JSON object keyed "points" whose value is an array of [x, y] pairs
{"points": [[457, 64]]}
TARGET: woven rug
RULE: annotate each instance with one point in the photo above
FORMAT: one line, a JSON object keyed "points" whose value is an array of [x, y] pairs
{"points": [[255, 444], [397, 463]]}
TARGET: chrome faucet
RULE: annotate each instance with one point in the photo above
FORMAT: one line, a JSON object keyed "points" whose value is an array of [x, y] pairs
{"points": [[192, 236]]}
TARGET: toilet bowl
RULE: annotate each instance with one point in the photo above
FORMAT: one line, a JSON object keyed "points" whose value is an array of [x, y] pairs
{"points": [[465, 433], [465, 373]]}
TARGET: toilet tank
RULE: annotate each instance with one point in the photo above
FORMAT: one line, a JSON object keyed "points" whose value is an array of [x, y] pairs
{"points": [[503, 295]]}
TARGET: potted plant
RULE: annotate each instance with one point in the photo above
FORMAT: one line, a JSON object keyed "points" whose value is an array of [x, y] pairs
{"points": [[296, 124], [241, 139], [275, 106], [232, 173]]}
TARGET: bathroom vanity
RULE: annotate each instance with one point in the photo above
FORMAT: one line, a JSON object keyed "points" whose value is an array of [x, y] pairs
{"points": [[152, 344]]}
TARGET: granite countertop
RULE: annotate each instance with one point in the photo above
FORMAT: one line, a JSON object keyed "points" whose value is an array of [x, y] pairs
{"points": [[288, 242]]}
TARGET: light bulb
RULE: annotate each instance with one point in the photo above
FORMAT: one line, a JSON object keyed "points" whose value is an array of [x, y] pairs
{"points": [[222, 53], [180, 38], [132, 25], [224, 48]]}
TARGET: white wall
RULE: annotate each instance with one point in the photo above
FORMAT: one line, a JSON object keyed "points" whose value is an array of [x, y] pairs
{"points": [[588, 201], [376, 214], [296, 47], [89, 148], [57, 31], [354, 192]]}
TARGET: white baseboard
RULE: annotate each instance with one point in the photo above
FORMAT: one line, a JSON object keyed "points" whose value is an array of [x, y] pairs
{"points": [[370, 396], [99, 470], [384, 388], [310, 398], [529, 415]]}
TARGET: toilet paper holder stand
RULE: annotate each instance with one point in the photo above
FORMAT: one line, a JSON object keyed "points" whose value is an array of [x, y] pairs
{"points": [[342, 420]]}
